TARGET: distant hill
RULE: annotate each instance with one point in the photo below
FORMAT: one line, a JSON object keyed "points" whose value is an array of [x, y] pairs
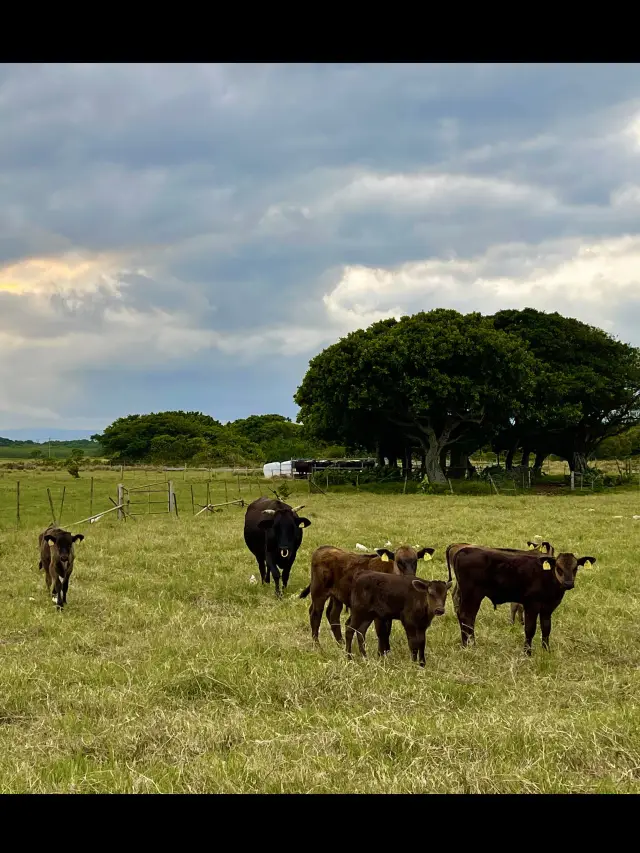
{"points": [[43, 435], [12, 449]]}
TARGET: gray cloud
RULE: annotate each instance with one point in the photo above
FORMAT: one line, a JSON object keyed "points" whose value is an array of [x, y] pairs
{"points": [[173, 222]]}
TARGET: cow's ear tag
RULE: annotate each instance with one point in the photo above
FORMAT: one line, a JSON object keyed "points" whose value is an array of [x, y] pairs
{"points": [[546, 565], [587, 564], [301, 524], [427, 557], [384, 558], [532, 547]]}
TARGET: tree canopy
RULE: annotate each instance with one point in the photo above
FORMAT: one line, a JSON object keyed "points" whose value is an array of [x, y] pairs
{"points": [[441, 379]]}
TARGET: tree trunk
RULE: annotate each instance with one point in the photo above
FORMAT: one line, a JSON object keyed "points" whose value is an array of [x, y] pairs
{"points": [[434, 471], [526, 453], [508, 462], [443, 458], [578, 462], [540, 457], [423, 463], [380, 455], [459, 464]]}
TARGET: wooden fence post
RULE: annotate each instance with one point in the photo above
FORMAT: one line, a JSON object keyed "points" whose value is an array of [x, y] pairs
{"points": [[120, 500], [18, 503], [91, 499], [171, 501], [53, 512]]}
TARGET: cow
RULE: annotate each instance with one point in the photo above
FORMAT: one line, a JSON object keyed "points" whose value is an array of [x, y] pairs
{"points": [[384, 597], [535, 580], [334, 569], [273, 534], [542, 547], [57, 554]]}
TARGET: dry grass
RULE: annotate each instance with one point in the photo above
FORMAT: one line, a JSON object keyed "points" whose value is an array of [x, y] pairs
{"points": [[169, 671]]}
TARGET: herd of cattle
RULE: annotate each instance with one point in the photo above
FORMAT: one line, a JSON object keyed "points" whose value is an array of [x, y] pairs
{"points": [[381, 586]]}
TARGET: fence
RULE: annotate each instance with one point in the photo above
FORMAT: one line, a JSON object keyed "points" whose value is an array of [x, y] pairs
{"points": [[25, 502]]}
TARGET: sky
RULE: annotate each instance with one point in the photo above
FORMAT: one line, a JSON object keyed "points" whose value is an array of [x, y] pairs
{"points": [[188, 236]]}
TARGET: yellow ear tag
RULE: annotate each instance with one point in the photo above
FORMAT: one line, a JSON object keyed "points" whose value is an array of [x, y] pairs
{"points": [[531, 547], [427, 557], [301, 524], [587, 564], [384, 558], [546, 565]]}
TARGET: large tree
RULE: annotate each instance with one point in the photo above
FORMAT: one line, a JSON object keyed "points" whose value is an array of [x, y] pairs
{"points": [[429, 379], [588, 387]]}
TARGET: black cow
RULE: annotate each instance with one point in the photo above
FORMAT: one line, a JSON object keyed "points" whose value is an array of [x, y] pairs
{"points": [[535, 580], [273, 533], [57, 558]]}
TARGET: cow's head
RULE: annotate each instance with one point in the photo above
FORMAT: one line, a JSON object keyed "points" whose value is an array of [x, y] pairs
{"points": [[61, 543], [286, 526], [405, 558], [436, 594], [565, 567], [543, 547]]}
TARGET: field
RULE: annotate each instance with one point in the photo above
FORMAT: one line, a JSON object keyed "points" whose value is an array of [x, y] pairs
{"points": [[170, 672]]}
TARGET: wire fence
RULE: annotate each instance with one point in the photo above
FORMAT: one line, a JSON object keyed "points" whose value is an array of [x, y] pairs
{"points": [[32, 500]]}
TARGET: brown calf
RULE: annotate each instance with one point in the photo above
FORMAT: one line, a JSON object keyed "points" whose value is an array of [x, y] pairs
{"points": [[542, 548], [535, 580], [413, 601], [56, 558], [333, 571]]}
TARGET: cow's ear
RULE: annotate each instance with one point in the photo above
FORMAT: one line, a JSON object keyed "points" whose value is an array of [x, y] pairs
{"points": [[420, 585], [385, 555], [265, 523], [303, 522], [426, 553], [548, 562], [79, 537], [587, 562], [50, 539]]}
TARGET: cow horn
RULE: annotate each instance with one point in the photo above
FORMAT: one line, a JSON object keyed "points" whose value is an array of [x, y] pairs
{"points": [[269, 511], [296, 508]]}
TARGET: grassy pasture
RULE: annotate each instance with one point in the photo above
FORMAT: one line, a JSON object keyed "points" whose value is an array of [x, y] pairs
{"points": [[170, 671]]}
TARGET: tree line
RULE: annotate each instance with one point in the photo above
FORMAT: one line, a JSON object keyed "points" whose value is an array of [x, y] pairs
{"points": [[439, 385], [178, 437]]}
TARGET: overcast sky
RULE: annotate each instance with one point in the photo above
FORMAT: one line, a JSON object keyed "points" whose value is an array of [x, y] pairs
{"points": [[188, 236]]}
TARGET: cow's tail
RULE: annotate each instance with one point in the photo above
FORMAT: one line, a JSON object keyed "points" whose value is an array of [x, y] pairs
{"points": [[305, 592], [449, 562]]}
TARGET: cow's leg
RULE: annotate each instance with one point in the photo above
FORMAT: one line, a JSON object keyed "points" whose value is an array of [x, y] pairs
{"points": [[47, 579], [417, 642], [467, 612], [65, 587], [517, 610], [545, 629], [383, 630], [57, 593], [359, 626], [285, 577], [333, 618], [316, 609], [264, 574], [275, 572], [530, 624]]}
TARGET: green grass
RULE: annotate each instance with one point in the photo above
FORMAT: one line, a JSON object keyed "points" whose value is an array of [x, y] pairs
{"points": [[169, 671]]}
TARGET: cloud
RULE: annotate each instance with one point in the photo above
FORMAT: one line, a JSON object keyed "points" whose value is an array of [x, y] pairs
{"points": [[190, 235]]}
